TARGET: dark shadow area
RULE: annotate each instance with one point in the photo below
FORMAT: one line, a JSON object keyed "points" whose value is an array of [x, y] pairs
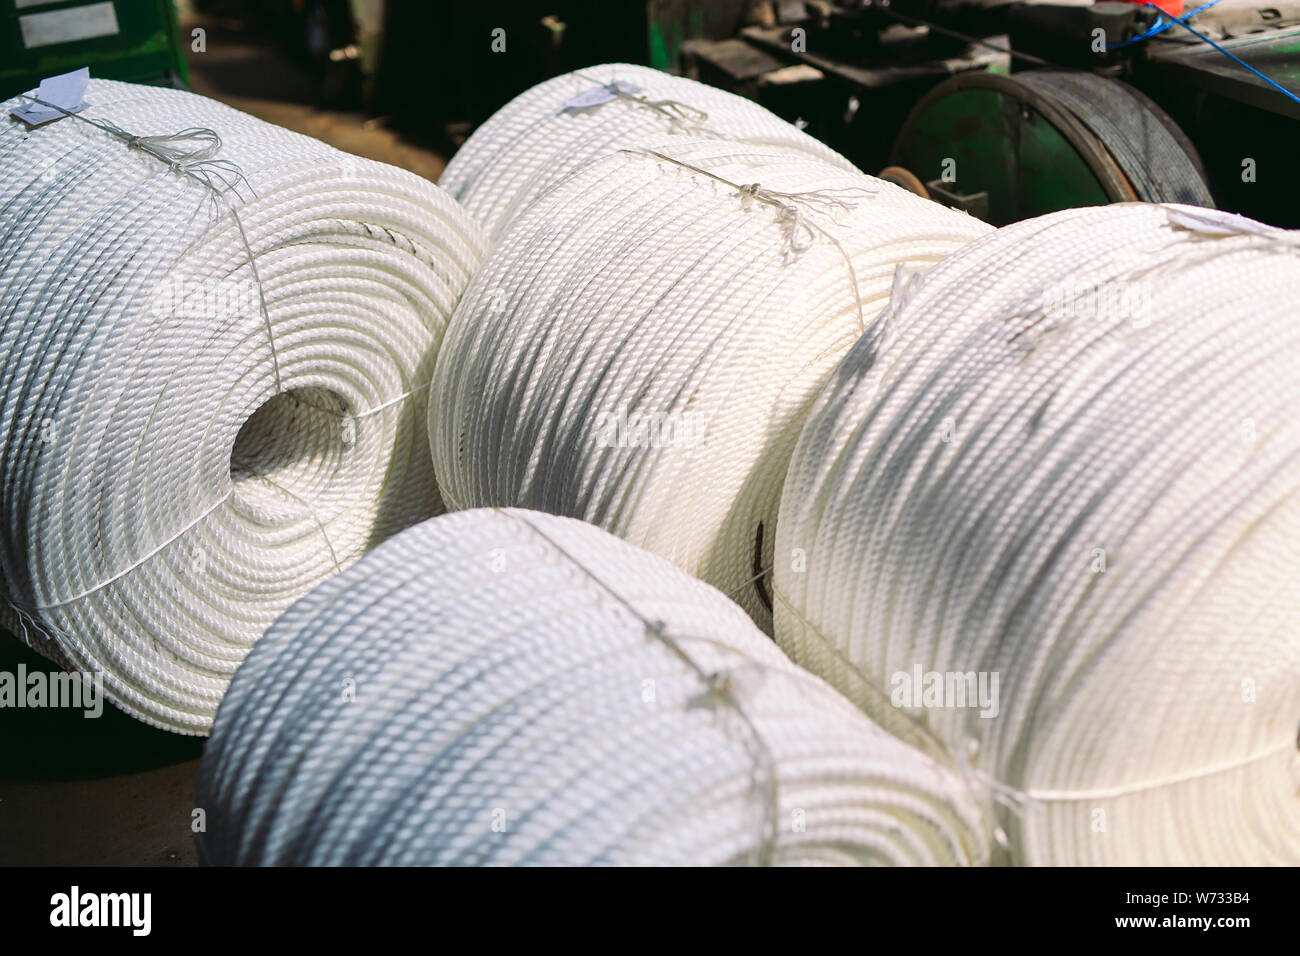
{"points": [[303, 67], [78, 791], [445, 68], [242, 61], [51, 743]]}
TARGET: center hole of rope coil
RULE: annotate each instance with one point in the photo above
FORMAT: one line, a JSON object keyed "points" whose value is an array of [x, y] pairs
{"points": [[290, 452]]}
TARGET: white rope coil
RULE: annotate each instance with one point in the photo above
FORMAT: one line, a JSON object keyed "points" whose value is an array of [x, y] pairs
{"points": [[513, 688], [193, 437], [556, 127], [640, 348], [1070, 456]]}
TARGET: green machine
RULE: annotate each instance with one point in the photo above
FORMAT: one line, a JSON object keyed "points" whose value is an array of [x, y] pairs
{"points": [[1010, 109], [134, 40], [1010, 147]]}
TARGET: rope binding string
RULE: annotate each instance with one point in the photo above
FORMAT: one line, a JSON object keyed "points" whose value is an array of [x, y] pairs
{"points": [[793, 211], [718, 690], [190, 152], [680, 116]]}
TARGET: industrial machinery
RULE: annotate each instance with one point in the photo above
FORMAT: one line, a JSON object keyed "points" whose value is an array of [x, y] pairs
{"points": [[1014, 109]]}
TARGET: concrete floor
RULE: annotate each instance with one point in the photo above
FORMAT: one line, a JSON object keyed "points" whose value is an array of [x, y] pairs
{"points": [[249, 75], [112, 791]]}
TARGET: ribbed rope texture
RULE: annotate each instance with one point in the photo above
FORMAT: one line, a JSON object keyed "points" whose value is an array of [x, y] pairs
{"points": [[1070, 456], [194, 438], [538, 138], [641, 346], [513, 688]]}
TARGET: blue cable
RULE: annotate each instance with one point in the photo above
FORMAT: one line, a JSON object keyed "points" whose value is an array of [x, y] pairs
{"points": [[1277, 86], [1161, 25]]}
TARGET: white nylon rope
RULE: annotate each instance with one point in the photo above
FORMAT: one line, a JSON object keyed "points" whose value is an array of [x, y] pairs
{"points": [[702, 288], [514, 688], [140, 536], [556, 127], [1070, 455]]}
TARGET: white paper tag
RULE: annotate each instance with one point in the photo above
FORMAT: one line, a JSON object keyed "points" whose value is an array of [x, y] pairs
{"points": [[68, 26], [599, 95], [1215, 222], [65, 90]]}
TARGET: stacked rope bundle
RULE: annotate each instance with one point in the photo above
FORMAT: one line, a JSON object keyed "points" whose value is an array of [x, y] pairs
{"points": [[1069, 456], [511, 688], [217, 348], [554, 128], [640, 349]]}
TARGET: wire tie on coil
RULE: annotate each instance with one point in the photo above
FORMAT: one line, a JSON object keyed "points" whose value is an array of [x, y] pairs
{"points": [[190, 152], [208, 511], [320, 525], [28, 622], [55, 637], [1017, 801], [139, 562], [748, 581], [793, 213], [718, 691], [680, 116], [1020, 802], [1002, 794]]}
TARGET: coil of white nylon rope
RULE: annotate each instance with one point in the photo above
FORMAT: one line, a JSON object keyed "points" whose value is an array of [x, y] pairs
{"points": [[1069, 456], [194, 437], [640, 347], [554, 128], [514, 688]]}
